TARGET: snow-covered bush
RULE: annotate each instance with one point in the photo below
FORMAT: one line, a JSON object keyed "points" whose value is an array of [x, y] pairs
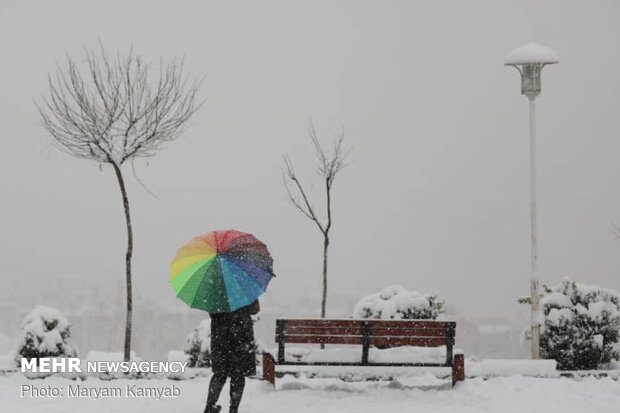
{"points": [[580, 327], [395, 302], [44, 334], [198, 346]]}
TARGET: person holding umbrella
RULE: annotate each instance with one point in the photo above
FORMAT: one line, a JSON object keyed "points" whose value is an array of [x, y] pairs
{"points": [[232, 354], [224, 273]]}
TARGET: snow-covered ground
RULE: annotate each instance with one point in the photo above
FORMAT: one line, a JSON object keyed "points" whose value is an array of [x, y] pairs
{"points": [[412, 394]]}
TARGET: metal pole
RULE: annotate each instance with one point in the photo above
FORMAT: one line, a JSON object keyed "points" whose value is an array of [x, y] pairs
{"points": [[534, 248]]}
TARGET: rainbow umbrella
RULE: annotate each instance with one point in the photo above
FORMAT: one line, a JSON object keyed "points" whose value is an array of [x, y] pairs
{"points": [[221, 271]]}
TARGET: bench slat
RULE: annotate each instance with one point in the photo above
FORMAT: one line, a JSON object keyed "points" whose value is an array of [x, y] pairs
{"points": [[407, 341], [393, 341], [416, 324], [423, 324], [354, 364], [320, 323], [325, 331], [423, 332], [299, 339], [357, 331]]}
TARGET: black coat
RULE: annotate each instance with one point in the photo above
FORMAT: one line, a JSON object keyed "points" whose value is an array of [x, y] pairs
{"points": [[232, 343]]}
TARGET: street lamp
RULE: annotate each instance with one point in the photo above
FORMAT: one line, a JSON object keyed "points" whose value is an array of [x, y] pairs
{"points": [[529, 60]]}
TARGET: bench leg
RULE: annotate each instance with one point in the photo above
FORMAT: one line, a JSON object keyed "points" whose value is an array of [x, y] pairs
{"points": [[458, 368], [269, 368]]}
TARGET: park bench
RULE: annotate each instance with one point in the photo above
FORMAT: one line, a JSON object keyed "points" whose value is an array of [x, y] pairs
{"points": [[365, 333]]}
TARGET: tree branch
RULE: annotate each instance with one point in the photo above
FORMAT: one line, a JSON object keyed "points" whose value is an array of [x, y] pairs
{"points": [[109, 112]]}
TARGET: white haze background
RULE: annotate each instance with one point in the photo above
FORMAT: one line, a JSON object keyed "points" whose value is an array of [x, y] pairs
{"points": [[435, 196]]}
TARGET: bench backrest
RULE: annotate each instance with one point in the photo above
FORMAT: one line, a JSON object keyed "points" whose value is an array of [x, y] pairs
{"points": [[380, 333]]}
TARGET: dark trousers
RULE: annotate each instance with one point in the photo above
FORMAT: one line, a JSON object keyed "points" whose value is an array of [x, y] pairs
{"points": [[237, 383]]}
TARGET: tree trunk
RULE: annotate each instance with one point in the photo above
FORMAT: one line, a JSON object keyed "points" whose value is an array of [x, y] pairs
{"points": [[324, 301], [121, 183]]}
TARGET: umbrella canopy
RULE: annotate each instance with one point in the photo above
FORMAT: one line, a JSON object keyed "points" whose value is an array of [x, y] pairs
{"points": [[221, 271]]}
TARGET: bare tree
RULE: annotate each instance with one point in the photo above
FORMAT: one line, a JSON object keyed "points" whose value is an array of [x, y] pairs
{"points": [[113, 110], [328, 166]]}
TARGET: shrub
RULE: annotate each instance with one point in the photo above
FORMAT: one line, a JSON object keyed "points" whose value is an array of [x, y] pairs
{"points": [[395, 302], [198, 346], [580, 325], [44, 334]]}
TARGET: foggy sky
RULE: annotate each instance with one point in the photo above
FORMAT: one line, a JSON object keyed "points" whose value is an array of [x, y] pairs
{"points": [[435, 196]]}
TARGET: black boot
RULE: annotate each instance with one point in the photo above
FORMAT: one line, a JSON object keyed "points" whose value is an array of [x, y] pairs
{"points": [[214, 409], [237, 384], [215, 388]]}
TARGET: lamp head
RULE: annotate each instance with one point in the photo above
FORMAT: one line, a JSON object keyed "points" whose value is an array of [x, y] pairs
{"points": [[529, 60]]}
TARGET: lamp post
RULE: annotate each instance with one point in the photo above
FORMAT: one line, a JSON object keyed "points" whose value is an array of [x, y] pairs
{"points": [[529, 60]]}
